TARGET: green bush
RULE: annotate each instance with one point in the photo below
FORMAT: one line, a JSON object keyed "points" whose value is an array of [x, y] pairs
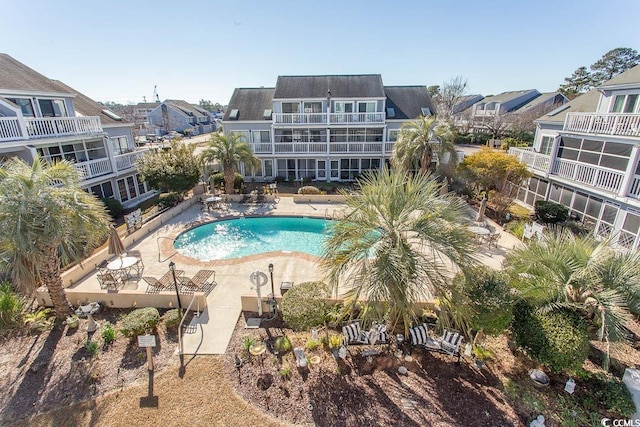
{"points": [[490, 298], [285, 372], [38, 320], [108, 333], [171, 318], [114, 207], [612, 394], [559, 338], [309, 189], [92, 347], [551, 212], [140, 321], [304, 306], [283, 344], [169, 200], [312, 344], [11, 306], [516, 228], [280, 179], [217, 180], [577, 228]]}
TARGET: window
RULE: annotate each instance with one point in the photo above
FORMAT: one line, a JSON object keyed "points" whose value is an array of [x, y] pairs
{"points": [[95, 150], [367, 107], [313, 107], [102, 191], [244, 135], [290, 107], [122, 190], [392, 135], [546, 145], [119, 145], [142, 186], [25, 106], [625, 104], [307, 168], [391, 112], [343, 107], [260, 136], [52, 108]]}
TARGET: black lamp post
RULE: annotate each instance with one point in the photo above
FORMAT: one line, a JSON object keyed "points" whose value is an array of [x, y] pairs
{"points": [[273, 294], [172, 267]]}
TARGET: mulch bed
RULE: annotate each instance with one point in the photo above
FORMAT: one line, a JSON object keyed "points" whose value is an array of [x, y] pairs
{"points": [[361, 391], [53, 369]]}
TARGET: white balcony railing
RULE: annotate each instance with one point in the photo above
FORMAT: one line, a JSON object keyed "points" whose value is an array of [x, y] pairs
{"points": [[47, 127], [356, 118], [93, 168], [300, 118], [595, 176], [261, 147], [634, 190], [300, 147], [537, 161], [128, 160], [605, 124]]}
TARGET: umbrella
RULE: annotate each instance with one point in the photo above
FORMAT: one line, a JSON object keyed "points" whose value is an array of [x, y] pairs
{"points": [[483, 206], [116, 247]]}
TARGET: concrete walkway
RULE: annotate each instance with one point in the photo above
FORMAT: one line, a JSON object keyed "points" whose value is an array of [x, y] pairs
{"points": [[210, 332]]}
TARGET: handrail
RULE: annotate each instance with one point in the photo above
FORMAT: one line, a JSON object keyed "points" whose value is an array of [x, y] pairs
{"points": [[193, 298], [158, 243]]}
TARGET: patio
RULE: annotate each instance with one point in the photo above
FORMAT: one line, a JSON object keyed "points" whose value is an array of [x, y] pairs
{"points": [[211, 331]]}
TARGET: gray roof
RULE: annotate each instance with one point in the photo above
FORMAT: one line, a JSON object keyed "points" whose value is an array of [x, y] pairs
{"points": [[341, 86], [507, 96], [465, 102], [14, 75], [250, 103], [631, 76], [584, 103], [541, 99], [185, 107], [407, 101], [147, 104], [88, 107]]}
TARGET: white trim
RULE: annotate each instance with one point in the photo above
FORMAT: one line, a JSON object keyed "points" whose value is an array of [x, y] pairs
{"points": [[36, 94]]}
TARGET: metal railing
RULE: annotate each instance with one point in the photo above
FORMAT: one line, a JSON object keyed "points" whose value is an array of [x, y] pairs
{"points": [[608, 124], [45, 127], [595, 176], [180, 342]]}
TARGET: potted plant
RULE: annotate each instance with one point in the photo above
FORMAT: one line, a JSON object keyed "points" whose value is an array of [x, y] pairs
{"points": [[335, 341], [480, 355]]}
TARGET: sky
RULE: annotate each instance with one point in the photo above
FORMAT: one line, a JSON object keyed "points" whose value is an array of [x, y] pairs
{"points": [[119, 50]]}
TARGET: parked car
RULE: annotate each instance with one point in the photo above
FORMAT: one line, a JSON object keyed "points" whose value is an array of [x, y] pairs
{"points": [[171, 136], [151, 137]]}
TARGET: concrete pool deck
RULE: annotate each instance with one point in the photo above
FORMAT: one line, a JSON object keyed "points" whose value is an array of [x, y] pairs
{"points": [[211, 331]]}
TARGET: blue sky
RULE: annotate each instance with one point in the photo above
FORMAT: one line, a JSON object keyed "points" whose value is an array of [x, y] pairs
{"points": [[117, 51]]}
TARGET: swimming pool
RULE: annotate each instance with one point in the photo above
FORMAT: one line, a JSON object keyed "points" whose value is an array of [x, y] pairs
{"points": [[234, 238]]}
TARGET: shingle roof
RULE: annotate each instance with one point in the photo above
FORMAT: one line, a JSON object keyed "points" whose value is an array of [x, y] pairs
{"points": [[14, 75], [185, 107], [88, 107], [538, 101], [341, 86], [408, 101], [584, 103], [250, 103], [506, 96], [632, 75], [465, 102], [147, 104]]}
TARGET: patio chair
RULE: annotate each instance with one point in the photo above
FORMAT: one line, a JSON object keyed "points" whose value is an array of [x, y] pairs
{"points": [[102, 267], [201, 279], [449, 343], [167, 279], [493, 240], [108, 281], [139, 265], [154, 284], [353, 335], [378, 334], [301, 358]]}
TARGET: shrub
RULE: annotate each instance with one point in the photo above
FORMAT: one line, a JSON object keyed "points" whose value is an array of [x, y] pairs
{"points": [[285, 372], [516, 228], [38, 320], [559, 338], [114, 207], [169, 200], [171, 318], [11, 306], [312, 344], [91, 347], [490, 297], [246, 344], [551, 212], [306, 180], [280, 179], [335, 341], [140, 321], [304, 306], [309, 189], [108, 333], [611, 393], [282, 344], [577, 228], [218, 180]]}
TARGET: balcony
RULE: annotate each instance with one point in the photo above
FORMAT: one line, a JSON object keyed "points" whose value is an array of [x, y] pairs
{"points": [[128, 160], [616, 124], [93, 168], [634, 190], [537, 161], [594, 176], [47, 127], [324, 118]]}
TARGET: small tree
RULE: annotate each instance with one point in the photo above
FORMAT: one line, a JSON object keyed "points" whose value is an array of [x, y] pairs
{"points": [[175, 170], [551, 212]]}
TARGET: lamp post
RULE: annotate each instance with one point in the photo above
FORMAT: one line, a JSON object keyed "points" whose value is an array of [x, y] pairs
{"points": [[172, 267], [273, 294]]}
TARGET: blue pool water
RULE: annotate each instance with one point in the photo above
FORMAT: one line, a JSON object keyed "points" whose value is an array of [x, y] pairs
{"points": [[236, 238]]}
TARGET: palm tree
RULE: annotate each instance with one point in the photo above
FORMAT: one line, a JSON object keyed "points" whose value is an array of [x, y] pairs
{"points": [[565, 271], [418, 140], [229, 150], [401, 243], [47, 221]]}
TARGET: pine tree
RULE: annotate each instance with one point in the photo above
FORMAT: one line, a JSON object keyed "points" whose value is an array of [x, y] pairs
{"points": [[580, 82], [613, 63]]}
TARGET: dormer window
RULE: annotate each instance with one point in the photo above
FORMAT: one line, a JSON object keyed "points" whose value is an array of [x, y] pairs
{"points": [[425, 111], [233, 115], [267, 114], [52, 108], [391, 112]]}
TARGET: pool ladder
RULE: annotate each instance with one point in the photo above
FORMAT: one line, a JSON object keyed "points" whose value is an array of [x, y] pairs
{"points": [[332, 216]]}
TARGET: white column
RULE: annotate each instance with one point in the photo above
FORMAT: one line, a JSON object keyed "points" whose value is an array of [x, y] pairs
{"points": [[629, 173]]}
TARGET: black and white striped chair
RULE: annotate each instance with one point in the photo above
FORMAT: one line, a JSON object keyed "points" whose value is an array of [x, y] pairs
{"points": [[419, 335], [449, 343], [353, 334]]}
